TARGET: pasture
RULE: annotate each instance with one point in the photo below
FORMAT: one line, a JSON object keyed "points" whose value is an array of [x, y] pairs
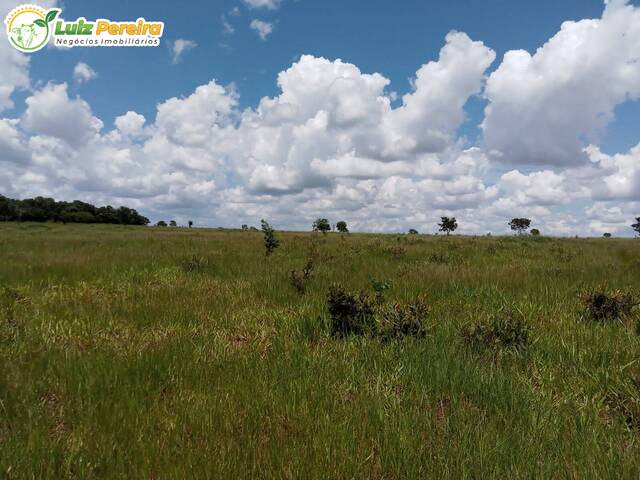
{"points": [[153, 353]]}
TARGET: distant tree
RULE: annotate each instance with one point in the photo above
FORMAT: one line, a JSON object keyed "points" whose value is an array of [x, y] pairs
{"points": [[270, 240], [253, 229], [607, 235], [190, 223], [161, 223], [447, 224], [321, 225], [413, 231], [520, 225], [245, 227], [341, 226], [173, 223], [535, 232], [636, 226]]}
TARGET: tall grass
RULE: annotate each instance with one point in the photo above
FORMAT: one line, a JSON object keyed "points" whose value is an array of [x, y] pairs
{"points": [[133, 352]]}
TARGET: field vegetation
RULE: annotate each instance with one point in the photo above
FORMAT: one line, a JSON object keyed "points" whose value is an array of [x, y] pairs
{"points": [[150, 353]]}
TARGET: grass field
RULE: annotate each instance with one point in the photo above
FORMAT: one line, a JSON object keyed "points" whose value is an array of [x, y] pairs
{"points": [[147, 353]]}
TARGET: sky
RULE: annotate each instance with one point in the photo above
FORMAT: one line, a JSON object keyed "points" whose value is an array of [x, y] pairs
{"points": [[384, 114]]}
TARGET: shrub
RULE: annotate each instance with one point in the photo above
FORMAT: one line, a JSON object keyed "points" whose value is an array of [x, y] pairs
{"points": [[606, 235], [299, 279], [625, 400], [535, 232], [364, 315], [413, 231], [380, 287], [603, 307], [350, 314], [506, 331], [403, 320]]}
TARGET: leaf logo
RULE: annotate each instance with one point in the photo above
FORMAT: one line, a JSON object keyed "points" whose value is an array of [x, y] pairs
{"points": [[30, 27]]}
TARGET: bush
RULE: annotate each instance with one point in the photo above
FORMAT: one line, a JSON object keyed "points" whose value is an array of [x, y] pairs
{"points": [[299, 279], [603, 307], [366, 315], [350, 314], [625, 400], [403, 320], [506, 331]]}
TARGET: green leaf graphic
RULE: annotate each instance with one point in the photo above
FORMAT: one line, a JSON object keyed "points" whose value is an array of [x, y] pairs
{"points": [[51, 15], [39, 22]]}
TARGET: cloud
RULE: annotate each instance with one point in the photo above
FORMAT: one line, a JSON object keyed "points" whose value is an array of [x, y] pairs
{"points": [[544, 108], [227, 28], [263, 29], [268, 4], [83, 73], [179, 47], [51, 112]]}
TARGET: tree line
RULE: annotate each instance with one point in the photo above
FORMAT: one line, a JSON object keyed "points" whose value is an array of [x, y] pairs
{"points": [[42, 209]]}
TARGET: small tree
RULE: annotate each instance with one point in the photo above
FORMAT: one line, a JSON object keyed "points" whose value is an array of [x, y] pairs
{"points": [[321, 225], [161, 223], [607, 235], [448, 224], [190, 223], [173, 223], [413, 231], [245, 227], [520, 225], [636, 226], [341, 226], [535, 232], [270, 240]]}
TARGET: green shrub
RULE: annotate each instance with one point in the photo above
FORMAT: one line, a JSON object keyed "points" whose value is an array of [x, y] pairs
{"points": [[604, 307], [350, 314], [403, 320], [506, 331], [299, 279]]}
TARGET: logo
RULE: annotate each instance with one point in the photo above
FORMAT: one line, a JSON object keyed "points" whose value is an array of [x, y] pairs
{"points": [[30, 28]]}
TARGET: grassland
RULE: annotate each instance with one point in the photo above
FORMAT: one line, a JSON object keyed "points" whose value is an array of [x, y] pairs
{"points": [[134, 352]]}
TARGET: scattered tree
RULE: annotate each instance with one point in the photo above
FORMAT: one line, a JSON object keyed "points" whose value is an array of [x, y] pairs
{"points": [[270, 240], [161, 223], [413, 231], [520, 225], [190, 223], [607, 235], [245, 228], [321, 225], [636, 226], [448, 225], [341, 226], [173, 223], [535, 232]]}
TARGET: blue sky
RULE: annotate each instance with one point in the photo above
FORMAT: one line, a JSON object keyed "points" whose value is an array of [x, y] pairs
{"points": [[394, 39]]}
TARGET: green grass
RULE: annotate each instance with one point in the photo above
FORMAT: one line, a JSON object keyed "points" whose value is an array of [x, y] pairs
{"points": [[133, 352]]}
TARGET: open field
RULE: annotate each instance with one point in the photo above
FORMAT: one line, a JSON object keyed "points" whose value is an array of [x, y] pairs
{"points": [[134, 352]]}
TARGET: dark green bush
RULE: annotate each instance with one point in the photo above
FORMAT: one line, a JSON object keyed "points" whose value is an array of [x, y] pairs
{"points": [[350, 314], [506, 331], [607, 307], [299, 279], [403, 320]]}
